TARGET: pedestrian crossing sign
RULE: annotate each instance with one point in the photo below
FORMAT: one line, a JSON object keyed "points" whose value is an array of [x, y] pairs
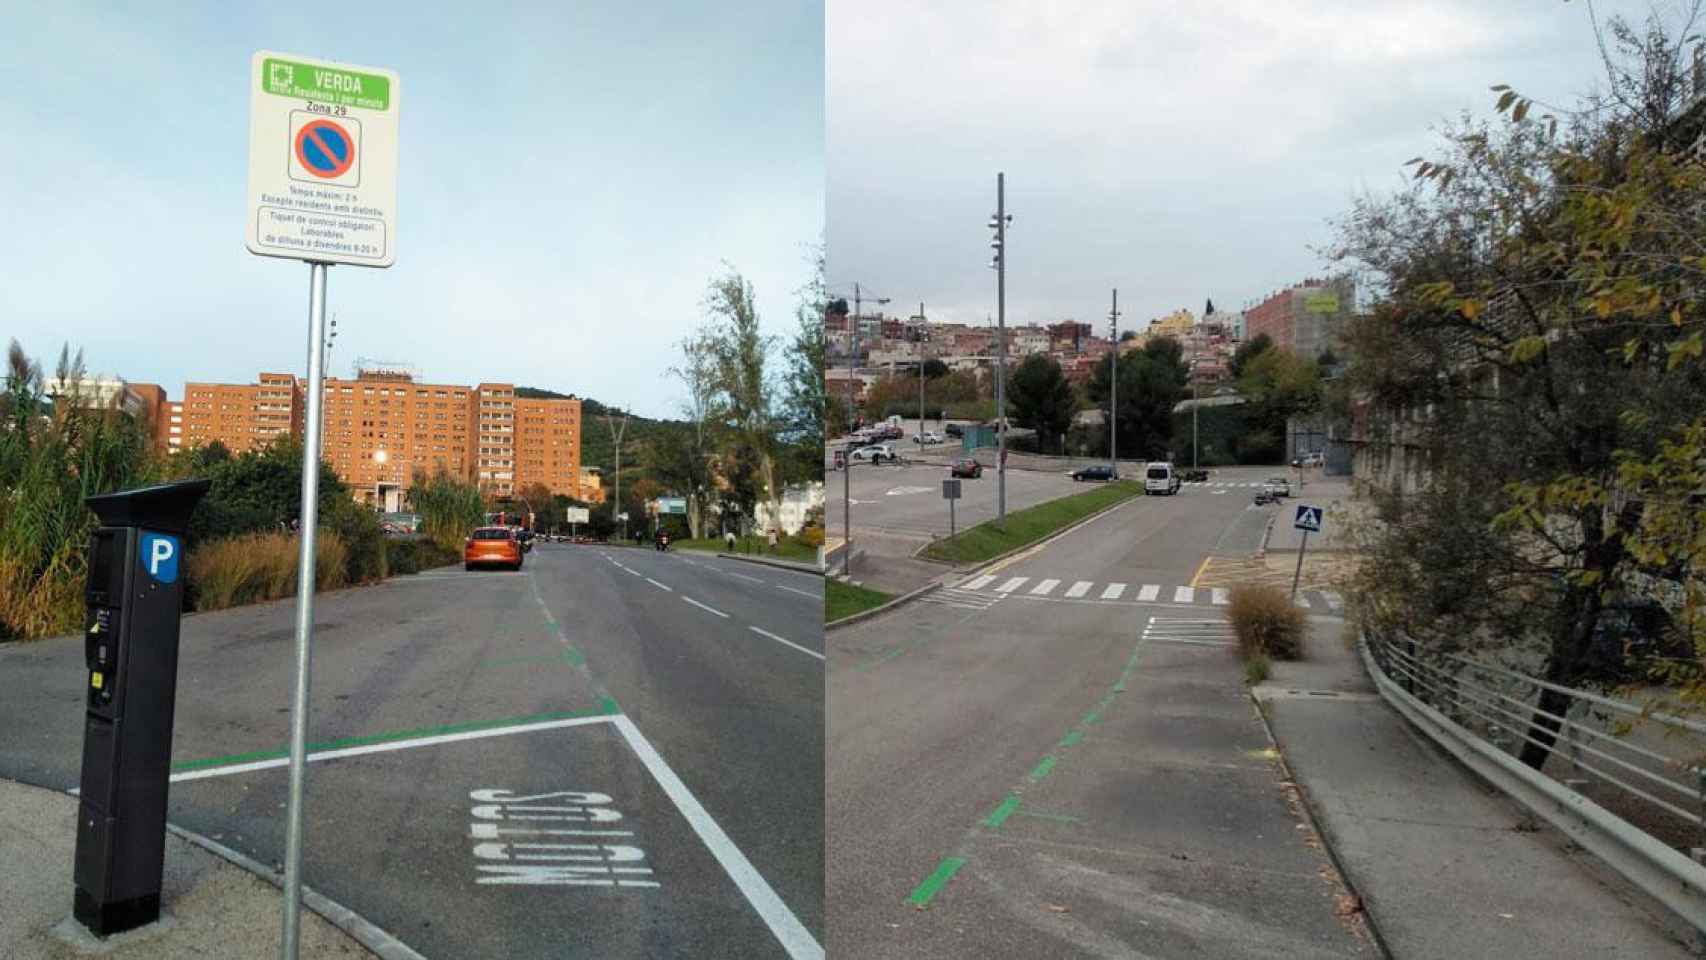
{"points": [[1308, 518]]}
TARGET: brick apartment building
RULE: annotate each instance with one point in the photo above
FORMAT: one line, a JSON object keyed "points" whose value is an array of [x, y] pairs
{"points": [[1305, 318], [384, 426]]}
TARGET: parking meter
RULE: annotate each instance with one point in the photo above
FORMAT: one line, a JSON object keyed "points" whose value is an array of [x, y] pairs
{"points": [[133, 598]]}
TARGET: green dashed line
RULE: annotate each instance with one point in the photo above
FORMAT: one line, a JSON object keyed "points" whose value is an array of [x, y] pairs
{"points": [[1091, 718], [1071, 738], [1002, 812], [936, 881], [574, 657], [608, 705], [1043, 768]]}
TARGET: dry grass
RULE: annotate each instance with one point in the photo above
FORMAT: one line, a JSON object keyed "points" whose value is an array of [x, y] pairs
{"points": [[259, 566], [1266, 623]]}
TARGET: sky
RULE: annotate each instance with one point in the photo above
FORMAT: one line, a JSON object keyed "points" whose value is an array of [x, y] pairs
{"points": [[1177, 151], [571, 178]]}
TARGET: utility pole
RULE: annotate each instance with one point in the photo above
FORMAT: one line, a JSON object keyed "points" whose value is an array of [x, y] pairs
{"points": [[921, 321], [1001, 219], [1196, 401], [1113, 385], [616, 498]]}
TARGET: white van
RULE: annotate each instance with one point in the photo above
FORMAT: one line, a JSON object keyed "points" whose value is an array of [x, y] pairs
{"points": [[1160, 477]]}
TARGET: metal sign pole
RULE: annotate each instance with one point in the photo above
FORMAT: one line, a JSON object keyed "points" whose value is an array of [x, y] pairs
{"points": [[1299, 571], [304, 612], [951, 529]]}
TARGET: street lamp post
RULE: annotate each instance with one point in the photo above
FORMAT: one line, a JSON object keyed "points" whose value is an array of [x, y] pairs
{"points": [[1113, 385], [999, 223], [921, 321]]}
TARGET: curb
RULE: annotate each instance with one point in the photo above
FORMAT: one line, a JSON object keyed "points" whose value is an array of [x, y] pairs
{"points": [[851, 619], [1308, 807], [779, 564], [1267, 534]]}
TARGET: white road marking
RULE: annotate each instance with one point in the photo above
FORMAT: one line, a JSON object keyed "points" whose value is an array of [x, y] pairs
{"points": [[1184, 595], [705, 608], [410, 744], [1198, 643], [658, 585], [1114, 589], [1220, 595], [804, 650], [1011, 585], [743, 576], [1149, 592], [982, 581], [792, 934], [804, 593], [1078, 589], [1044, 588]]}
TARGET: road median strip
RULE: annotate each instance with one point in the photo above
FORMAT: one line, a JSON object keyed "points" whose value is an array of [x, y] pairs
{"points": [[988, 541]]}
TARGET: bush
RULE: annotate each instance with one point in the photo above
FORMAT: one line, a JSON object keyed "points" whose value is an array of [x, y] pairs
{"points": [[430, 554], [1266, 623], [810, 536], [363, 538], [253, 567], [402, 556], [1257, 669]]}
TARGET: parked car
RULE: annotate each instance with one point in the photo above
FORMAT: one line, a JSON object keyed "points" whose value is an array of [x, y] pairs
{"points": [[1277, 487], [1159, 477], [892, 431], [1316, 459], [492, 546], [526, 537], [1263, 497], [966, 467], [927, 438], [875, 453], [1098, 471], [954, 430]]}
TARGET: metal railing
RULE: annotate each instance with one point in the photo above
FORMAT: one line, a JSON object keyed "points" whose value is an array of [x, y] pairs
{"points": [[1632, 797]]}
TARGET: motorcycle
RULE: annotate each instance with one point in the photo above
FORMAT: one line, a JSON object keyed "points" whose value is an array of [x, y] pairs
{"points": [[1263, 498], [663, 542]]}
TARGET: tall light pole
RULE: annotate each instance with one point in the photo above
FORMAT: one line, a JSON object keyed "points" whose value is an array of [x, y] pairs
{"points": [[921, 335], [999, 223], [847, 456], [616, 498], [1196, 401], [1113, 385]]}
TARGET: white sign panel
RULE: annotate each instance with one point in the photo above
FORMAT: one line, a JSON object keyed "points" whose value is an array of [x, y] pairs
{"points": [[322, 160], [575, 514], [1308, 518]]}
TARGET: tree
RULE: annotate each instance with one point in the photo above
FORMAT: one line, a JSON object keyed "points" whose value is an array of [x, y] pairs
{"points": [[746, 396], [1249, 350], [1169, 357], [1535, 345], [934, 369], [1040, 397], [1148, 391], [805, 397], [688, 460]]}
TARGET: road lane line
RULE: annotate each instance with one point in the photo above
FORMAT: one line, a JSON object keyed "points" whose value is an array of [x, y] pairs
{"points": [[1078, 589], [804, 593], [1200, 568], [1149, 592], [705, 608], [944, 872], [1044, 588], [743, 576], [804, 650], [1114, 591], [1011, 585], [1184, 595], [979, 583], [658, 585], [788, 929]]}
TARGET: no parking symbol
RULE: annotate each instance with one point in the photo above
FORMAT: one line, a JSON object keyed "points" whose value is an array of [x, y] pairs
{"points": [[325, 151]]}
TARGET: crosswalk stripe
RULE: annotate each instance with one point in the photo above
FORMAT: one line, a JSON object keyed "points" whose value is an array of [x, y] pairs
{"points": [[1114, 589], [1078, 589], [1302, 601], [1219, 595], [1150, 590], [1011, 585], [1044, 588], [1183, 594], [980, 582]]}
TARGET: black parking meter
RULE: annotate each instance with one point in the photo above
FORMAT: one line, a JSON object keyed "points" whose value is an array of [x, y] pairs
{"points": [[133, 598]]}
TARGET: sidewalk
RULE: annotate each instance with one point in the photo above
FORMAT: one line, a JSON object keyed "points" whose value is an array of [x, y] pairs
{"points": [[1446, 866], [210, 907]]}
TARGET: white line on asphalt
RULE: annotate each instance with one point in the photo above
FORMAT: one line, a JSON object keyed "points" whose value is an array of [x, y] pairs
{"points": [[1220, 595], [982, 581], [766, 633], [1078, 589], [1149, 592], [1197, 643], [657, 584], [703, 607], [1114, 589], [1012, 584], [743, 576], [633, 571], [792, 934], [804, 593], [1184, 594], [410, 744], [1044, 588]]}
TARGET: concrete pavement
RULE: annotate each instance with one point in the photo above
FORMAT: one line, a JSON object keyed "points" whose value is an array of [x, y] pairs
{"points": [[618, 748]]}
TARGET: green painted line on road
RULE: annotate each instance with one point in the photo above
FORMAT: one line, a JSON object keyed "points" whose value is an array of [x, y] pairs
{"points": [[1057, 817], [608, 707], [1071, 738], [575, 657], [1091, 718], [1043, 768], [1002, 812], [936, 881]]}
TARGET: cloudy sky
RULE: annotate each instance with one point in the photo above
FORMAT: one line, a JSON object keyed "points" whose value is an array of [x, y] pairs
{"points": [[1178, 151], [571, 176]]}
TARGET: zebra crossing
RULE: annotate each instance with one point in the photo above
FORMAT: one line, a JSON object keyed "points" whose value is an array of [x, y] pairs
{"points": [[962, 598], [990, 588]]}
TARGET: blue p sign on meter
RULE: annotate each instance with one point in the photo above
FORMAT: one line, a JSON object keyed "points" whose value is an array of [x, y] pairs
{"points": [[160, 556], [322, 161]]}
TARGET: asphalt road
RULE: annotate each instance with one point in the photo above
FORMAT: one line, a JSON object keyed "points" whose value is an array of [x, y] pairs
{"points": [[1050, 771], [614, 753]]}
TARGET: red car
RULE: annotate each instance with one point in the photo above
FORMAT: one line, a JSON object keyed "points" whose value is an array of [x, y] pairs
{"points": [[966, 468], [489, 546]]}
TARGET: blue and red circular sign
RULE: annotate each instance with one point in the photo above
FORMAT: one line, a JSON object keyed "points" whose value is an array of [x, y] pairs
{"points": [[325, 149]]}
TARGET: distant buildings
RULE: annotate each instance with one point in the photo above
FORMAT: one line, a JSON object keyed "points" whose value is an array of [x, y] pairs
{"points": [[1306, 318]]}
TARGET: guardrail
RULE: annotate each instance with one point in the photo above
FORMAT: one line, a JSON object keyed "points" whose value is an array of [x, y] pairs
{"points": [[1480, 713]]}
